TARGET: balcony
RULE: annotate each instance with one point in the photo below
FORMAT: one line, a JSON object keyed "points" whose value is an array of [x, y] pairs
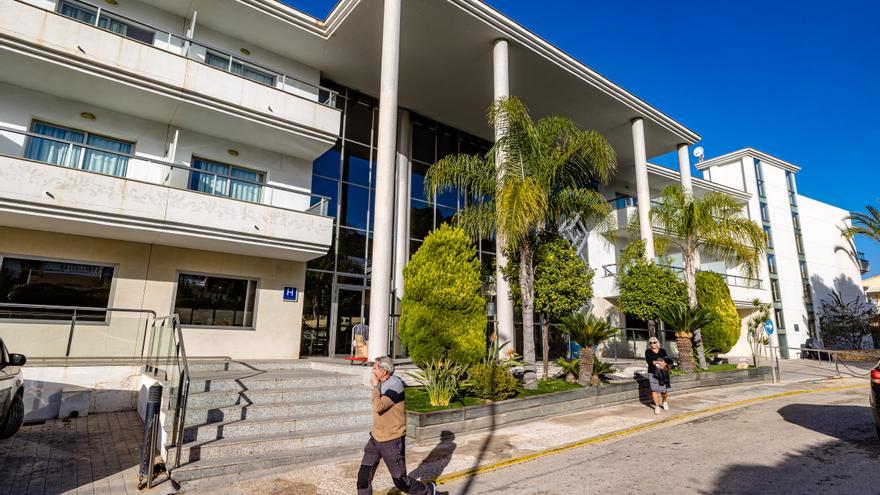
{"points": [[73, 187], [864, 264], [84, 53], [742, 289]]}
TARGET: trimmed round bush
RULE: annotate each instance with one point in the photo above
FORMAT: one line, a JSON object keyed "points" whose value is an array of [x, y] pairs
{"points": [[443, 312], [491, 382], [714, 295]]}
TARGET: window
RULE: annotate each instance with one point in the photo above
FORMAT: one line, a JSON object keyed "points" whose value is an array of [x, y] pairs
{"points": [[808, 294], [780, 321], [204, 300], [796, 220], [88, 15], [789, 181], [799, 243], [226, 180], [804, 273], [765, 212], [774, 288], [59, 148], [771, 263], [759, 172], [230, 64], [57, 283], [769, 237]]}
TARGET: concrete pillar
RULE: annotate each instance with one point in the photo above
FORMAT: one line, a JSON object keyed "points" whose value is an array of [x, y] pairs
{"points": [[380, 285], [643, 191], [684, 167], [401, 229], [504, 306]]}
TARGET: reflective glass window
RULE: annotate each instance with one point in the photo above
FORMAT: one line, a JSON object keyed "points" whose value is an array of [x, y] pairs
{"points": [[354, 206], [317, 296], [417, 181], [423, 142], [444, 215], [356, 165], [358, 121], [327, 165], [352, 251], [205, 300], [421, 219], [447, 142], [329, 188]]}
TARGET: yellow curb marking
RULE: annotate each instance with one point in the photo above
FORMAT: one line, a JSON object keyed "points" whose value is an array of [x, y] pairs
{"points": [[445, 479]]}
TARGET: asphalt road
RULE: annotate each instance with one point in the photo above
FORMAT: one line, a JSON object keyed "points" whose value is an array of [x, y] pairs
{"points": [[813, 443]]}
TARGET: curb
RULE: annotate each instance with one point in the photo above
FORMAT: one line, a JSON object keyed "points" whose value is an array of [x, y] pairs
{"points": [[448, 478]]}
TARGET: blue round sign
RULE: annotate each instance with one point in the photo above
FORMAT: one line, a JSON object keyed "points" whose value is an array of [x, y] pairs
{"points": [[768, 327]]}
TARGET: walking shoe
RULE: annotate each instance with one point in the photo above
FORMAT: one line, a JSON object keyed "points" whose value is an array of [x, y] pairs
{"points": [[665, 405], [656, 409]]}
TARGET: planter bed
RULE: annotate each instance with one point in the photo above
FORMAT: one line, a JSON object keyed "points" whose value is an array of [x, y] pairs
{"points": [[428, 426]]}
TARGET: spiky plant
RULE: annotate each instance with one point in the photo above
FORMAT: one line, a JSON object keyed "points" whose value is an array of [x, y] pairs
{"points": [[587, 331], [536, 174], [866, 224], [685, 321]]}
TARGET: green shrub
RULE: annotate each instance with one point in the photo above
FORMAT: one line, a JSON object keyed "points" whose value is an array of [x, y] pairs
{"points": [[443, 312], [441, 381], [491, 382], [571, 368], [714, 295], [600, 367], [646, 287]]}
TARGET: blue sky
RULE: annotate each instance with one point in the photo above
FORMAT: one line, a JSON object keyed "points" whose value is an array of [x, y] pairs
{"points": [[799, 80]]}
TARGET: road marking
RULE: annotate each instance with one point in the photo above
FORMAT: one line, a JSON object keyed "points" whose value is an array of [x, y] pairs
{"points": [[448, 478]]}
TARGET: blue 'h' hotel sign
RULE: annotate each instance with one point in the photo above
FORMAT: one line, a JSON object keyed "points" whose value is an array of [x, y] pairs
{"points": [[291, 294]]}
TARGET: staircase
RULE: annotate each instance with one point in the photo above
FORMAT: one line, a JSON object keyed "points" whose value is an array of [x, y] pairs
{"points": [[244, 416]]}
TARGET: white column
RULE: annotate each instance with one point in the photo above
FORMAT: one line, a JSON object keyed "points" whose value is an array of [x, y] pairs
{"points": [[401, 230], [643, 192], [504, 306], [380, 288], [684, 167]]}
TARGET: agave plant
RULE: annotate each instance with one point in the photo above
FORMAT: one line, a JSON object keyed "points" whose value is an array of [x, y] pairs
{"points": [[684, 321], [441, 380], [588, 332]]}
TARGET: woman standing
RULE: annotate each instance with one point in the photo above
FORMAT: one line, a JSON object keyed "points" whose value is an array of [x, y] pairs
{"points": [[655, 355]]}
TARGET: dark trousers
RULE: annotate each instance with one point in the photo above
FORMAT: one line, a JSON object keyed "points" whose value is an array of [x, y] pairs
{"points": [[393, 452]]}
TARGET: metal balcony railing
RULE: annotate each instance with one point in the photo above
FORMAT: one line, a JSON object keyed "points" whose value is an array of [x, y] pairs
{"points": [[864, 264], [141, 32], [610, 270], [92, 159]]}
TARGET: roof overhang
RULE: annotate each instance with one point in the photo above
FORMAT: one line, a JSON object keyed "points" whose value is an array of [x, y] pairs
{"points": [[445, 63], [700, 185], [752, 152]]}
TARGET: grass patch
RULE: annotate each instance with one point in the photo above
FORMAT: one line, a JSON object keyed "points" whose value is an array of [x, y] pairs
{"points": [[713, 368], [546, 387], [417, 398]]}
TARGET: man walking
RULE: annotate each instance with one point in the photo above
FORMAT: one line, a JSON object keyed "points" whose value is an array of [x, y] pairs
{"points": [[388, 436]]}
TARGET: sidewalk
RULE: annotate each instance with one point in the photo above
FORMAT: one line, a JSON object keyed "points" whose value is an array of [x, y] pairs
{"points": [[467, 451]]}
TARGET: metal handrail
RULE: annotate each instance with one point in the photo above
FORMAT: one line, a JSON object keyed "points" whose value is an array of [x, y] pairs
{"points": [[187, 42], [73, 319], [322, 204]]}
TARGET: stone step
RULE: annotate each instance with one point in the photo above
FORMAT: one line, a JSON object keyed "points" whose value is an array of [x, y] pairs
{"points": [[265, 365], [195, 416], [208, 468], [281, 442], [239, 380], [235, 428], [225, 398]]}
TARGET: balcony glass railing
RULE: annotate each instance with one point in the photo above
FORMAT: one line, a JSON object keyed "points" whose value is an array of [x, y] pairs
{"points": [[207, 54], [71, 154], [864, 264], [610, 270]]}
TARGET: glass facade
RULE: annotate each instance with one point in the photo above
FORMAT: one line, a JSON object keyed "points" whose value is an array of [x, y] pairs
{"points": [[338, 285]]}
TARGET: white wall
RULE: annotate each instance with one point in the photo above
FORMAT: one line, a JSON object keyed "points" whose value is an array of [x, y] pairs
{"points": [[831, 257]]}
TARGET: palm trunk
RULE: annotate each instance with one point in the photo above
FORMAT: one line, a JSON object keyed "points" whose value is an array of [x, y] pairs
{"points": [[586, 361], [527, 289], [685, 353], [690, 277], [545, 341]]}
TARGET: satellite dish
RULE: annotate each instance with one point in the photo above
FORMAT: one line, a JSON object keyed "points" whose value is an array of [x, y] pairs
{"points": [[698, 152]]}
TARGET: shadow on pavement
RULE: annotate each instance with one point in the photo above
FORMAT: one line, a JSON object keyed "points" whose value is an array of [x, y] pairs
{"points": [[854, 451], [483, 450], [435, 463]]}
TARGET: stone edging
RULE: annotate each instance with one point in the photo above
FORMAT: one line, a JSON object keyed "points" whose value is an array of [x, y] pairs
{"points": [[424, 427]]}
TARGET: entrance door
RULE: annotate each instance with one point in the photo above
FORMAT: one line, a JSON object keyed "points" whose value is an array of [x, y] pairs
{"points": [[349, 312]]}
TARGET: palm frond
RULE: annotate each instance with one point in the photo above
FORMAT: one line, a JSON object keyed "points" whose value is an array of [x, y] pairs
{"points": [[683, 319], [866, 224], [587, 331], [477, 220], [473, 175], [520, 207], [589, 204]]}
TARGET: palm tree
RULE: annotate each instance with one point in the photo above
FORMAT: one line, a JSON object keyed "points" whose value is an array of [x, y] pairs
{"points": [[588, 332], [685, 321], [546, 171], [712, 224], [867, 224]]}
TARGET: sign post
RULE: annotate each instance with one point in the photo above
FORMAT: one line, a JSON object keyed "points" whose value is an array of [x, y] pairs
{"points": [[774, 363]]}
